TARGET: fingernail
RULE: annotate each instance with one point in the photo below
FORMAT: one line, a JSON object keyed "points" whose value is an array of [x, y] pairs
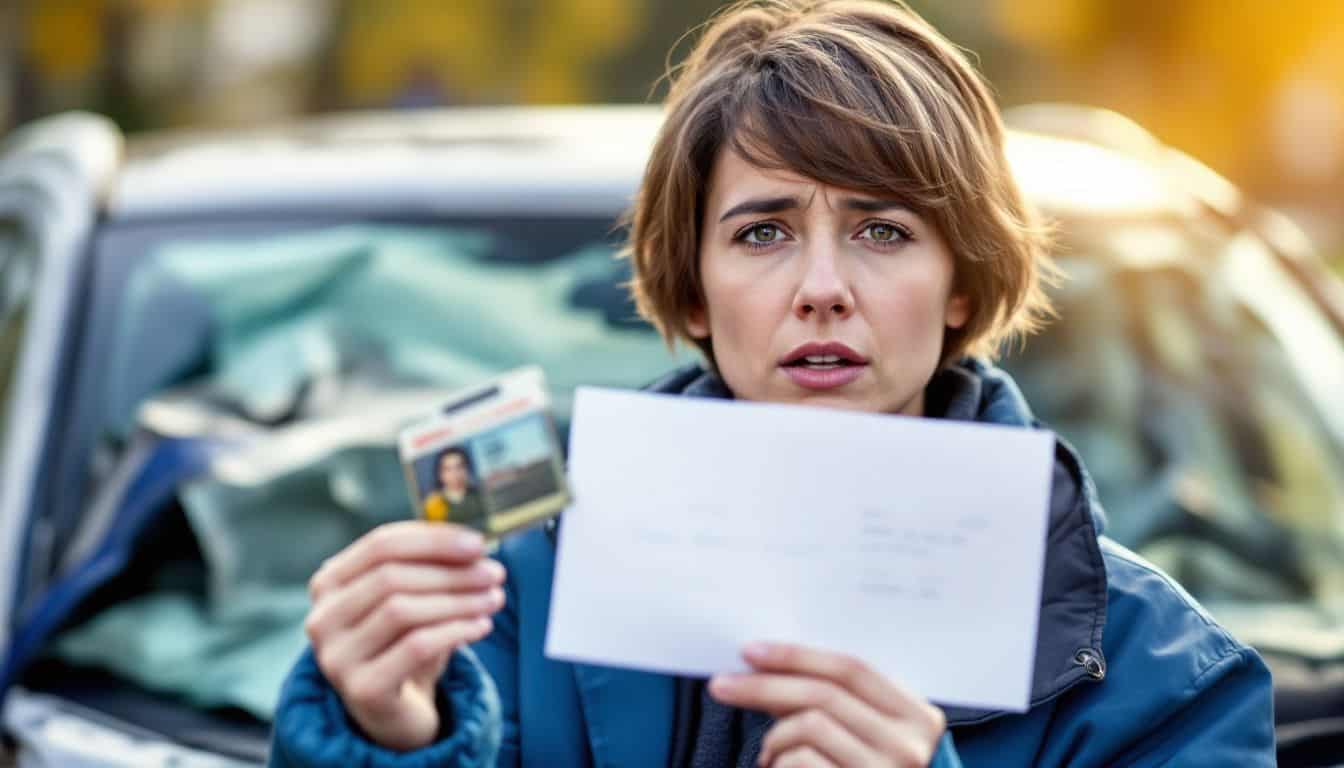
{"points": [[496, 597], [469, 541], [494, 570], [484, 623], [757, 651], [721, 684]]}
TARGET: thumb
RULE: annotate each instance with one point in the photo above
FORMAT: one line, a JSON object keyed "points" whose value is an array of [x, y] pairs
{"points": [[428, 677]]}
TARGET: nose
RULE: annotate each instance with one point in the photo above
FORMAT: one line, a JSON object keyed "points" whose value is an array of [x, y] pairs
{"points": [[823, 290]]}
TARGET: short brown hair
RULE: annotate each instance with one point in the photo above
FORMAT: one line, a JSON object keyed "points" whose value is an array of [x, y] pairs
{"points": [[859, 94]]}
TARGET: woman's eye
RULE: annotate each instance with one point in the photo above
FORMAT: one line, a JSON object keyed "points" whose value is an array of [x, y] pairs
{"points": [[762, 234], [886, 233]]}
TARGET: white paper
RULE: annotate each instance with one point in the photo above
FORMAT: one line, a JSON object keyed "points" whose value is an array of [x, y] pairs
{"points": [[699, 526]]}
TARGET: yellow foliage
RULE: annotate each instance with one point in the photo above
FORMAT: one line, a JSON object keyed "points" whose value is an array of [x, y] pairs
{"points": [[1047, 23], [167, 6], [63, 37], [1202, 74], [481, 49], [462, 41], [559, 65]]}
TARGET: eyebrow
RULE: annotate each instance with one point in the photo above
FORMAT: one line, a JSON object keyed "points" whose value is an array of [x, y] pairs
{"points": [[762, 205], [777, 204], [871, 205]]}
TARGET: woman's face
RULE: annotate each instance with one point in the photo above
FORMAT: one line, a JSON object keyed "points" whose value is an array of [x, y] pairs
{"points": [[821, 295], [453, 473]]}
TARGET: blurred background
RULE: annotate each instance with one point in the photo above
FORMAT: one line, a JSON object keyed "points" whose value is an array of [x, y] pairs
{"points": [[1253, 89]]}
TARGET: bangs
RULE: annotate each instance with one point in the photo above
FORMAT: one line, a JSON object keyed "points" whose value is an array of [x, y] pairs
{"points": [[826, 121]]}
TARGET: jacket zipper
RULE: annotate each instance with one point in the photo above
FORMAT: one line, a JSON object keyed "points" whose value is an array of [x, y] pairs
{"points": [[1092, 662]]}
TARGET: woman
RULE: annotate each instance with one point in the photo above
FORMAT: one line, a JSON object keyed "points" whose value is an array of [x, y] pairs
{"points": [[829, 216], [455, 500]]}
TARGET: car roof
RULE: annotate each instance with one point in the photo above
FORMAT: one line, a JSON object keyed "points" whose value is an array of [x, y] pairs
{"points": [[505, 160], [520, 161]]}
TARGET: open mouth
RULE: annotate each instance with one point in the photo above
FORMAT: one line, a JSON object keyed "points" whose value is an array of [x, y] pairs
{"points": [[823, 365], [823, 356], [821, 362]]}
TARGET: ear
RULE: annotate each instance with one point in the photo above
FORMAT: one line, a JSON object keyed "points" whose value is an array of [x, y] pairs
{"points": [[958, 310], [697, 323]]}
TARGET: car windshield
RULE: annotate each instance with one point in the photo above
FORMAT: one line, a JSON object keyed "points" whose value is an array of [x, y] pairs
{"points": [[1200, 385], [303, 347], [262, 316]]}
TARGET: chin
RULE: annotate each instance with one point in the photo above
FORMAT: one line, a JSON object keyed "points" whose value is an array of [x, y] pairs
{"points": [[839, 400]]}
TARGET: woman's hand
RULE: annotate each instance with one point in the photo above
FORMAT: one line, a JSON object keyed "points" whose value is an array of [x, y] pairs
{"points": [[387, 613], [831, 710]]}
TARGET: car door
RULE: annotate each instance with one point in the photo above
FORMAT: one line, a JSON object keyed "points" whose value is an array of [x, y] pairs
{"points": [[52, 177]]}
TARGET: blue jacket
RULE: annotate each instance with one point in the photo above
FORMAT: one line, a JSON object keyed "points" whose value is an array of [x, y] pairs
{"points": [[1129, 670]]}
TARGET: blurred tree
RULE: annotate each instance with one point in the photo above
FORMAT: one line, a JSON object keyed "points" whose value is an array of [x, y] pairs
{"points": [[566, 68], [385, 41], [325, 90], [78, 53], [1202, 74], [632, 75], [115, 94], [17, 102], [62, 38], [423, 52]]}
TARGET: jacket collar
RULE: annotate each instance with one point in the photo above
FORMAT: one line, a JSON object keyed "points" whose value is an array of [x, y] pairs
{"points": [[1073, 590]]}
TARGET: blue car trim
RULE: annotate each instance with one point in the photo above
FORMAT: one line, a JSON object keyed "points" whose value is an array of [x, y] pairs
{"points": [[172, 462]]}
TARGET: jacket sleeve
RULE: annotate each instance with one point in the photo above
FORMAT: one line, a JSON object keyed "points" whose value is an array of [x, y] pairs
{"points": [[1226, 717], [312, 729], [1179, 690], [498, 653]]}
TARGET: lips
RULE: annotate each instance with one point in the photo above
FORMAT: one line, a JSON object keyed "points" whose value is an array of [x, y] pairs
{"points": [[823, 365]]}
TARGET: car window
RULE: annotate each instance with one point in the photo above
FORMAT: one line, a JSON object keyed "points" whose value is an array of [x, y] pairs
{"points": [[17, 282], [306, 346]]}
